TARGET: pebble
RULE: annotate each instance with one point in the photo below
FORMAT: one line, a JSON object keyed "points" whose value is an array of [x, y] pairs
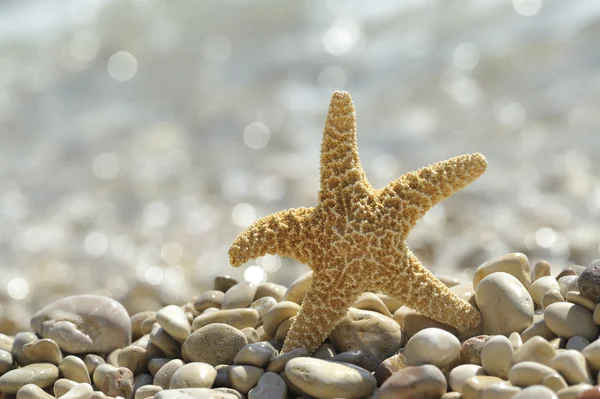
{"points": [[112, 357], [515, 340], [591, 393], [325, 351], [74, 369], [134, 358], [193, 375], [566, 271], [6, 361], [240, 295], [572, 392], [269, 386], [515, 264], [136, 323], [432, 346], [32, 391], [244, 378], [528, 373], [370, 301], [448, 281], [156, 364], [147, 391], [237, 318], [577, 298], [589, 281], [147, 324], [194, 393], [163, 341], [536, 349], [258, 354], [174, 321], [539, 287], [459, 375], [283, 329], [572, 366], [162, 378], [353, 357], [6, 342], [100, 373], [568, 320], [538, 328], [551, 297], [223, 283], [277, 315], [414, 382], [412, 322], [276, 291], [209, 299], [141, 380], [214, 344], [40, 374], [92, 361], [251, 335], [596, 314], [554, 381], [84, 324], [263, 305], [43, 351], [577, 343], [118, 382], [377, 336], [473, 386], [470, 349], [496, 356], [323, 378], [277, 365], [504, 303], [390, 302], [498, 390], [20, 340], [296, 290], [568, 283], [389, 366], [62, 386], [80, 391], [541, 269], [536, 392]]}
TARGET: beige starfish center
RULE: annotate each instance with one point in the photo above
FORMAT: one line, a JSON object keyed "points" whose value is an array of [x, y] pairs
{"points": [[355, 238]]}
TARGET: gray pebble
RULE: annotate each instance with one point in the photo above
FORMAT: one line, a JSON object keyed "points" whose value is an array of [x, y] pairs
{"points": [[240, 295], [223, 283], [163, 341], [277, 365], [155, 364], [258, 354], [269, 386], [21, 339], [589, 281]]}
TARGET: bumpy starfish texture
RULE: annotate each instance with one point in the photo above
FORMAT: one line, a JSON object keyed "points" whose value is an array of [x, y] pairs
{"points": [[355, 238]]}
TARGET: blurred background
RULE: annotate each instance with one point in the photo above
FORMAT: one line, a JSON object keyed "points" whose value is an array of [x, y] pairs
{"points": [[139, 137]]}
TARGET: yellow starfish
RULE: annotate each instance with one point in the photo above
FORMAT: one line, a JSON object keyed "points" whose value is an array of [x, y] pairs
{"points": [[355, 238]]}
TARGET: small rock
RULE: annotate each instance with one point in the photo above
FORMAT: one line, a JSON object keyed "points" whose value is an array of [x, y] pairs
{"points": [[163, 341], [568, 320], [251, 335], [112, 357], [156, 364], [539, 287], [296, 290], [118, 382], [325, 351], [578, 299], [223, 283], [74, 369], [353, 357], [208, 299], [572, 392], [536, 349], [263, 305], [240, 295], [147, 324], [276, 291], [515, 264], [237, 318], [140, 380], [6, 342], [541, 269], [277, 315], [147, 391], [134, 358], [474, 386], [536, 392], [414, 383], [568, 283], [551, 297], [515, 340], [577, 343], [470, 350], [174, 321], [591, 393], [40, 374], [539, 328], [329, 379], [162, 378], [269, 386], [244, 378], [258, 354], [572, 365], [390, 302], [32, 391], [277, 365], [62, 386], [528, 373], [194, 393], [92, 361], [84, 324], [554, 381], [6, 361], [80, 391], [193, 375], [432, 346], [136, 323], [370, 301], [589, 281], [214, 344], [17, 353], [389, 366], [498, 390], [496, 356], [459, 375]]}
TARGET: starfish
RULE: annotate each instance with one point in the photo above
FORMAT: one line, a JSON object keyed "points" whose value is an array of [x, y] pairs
{"points": [[354, 240]]}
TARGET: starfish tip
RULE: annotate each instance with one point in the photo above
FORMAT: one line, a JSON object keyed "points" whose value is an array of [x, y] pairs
{"points": [[479, 161]]}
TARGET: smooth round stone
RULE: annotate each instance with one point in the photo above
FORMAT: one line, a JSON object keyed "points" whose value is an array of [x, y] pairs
{"points": [[568, 283], [375, 335], [325, 351], [496, 356], [551, 297], [277, 315], [296, 290], [214, 344], [193, 375], [32, 391], [504, 303], [6, 342], [353, 357], [412, 322], [283, 329], [326, 379], [592, 355], [62, 386], [589, 281], [40, 374], [100, 373], [98, 395], [118, 382], [515, 340], [572, 392], [43, 351], [263, 305], [258, 354], [432, 346], [209, 299], [237, 318], [229, 391], [473, 386], [92, 361], [536, 349], [578, 299], [470, 350], [554, 381], [390, 302], [240, 295], [528, 373], [112, 357], [134, 358], [370, 301], [162, 378], [515, 264], [84, 324], [538, 328], [163, 341], [74, 369], [541, 269], [459, 375], [536, 392], [6, 361], [174, 321], [498, 390], [414, 383], [80, 391], [577, 343], [136, 323], [572, 365], [568, 320], [269, 386], [140, 380], [147, 391], [244, 378], [20, 340], [539, 287], [148, 324], [277, 365], [276, 291], [251, 335], [389, 366], [194, 393]]}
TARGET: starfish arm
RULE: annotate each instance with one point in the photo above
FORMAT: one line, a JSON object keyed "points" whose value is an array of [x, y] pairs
{"points": [[325, 303], [422, 291], [280, 233], [340, 163], [416, 192]]}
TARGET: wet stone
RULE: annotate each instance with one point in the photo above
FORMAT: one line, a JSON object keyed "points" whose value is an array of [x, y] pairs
{"points": [[40, 374]]}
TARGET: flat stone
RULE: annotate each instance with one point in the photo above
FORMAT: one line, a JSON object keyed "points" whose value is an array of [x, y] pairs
{"points": [[328, 379], [6, 361], [244, 378], [84, 324], [572, 365], [432, 346], [258, 354], [74, 369], [296, 290], [193, 375], [536, 349], [41, 374], [269, 386], [539, 287], [276, 291], [277, 365], [237, 318], [32, 391], [209, 299], [134, 358], [504, 303], [375, 335], [515, 264], [240, 295], [496, 356], [277, 315], [589, 281], [214, 344], [414, 383], [568, 320], [174, 321], [194, 393]]}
